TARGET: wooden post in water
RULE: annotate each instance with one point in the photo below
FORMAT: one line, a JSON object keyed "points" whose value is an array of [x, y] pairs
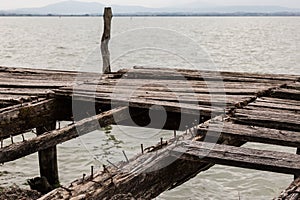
{"points": [[48, 158], [107, 16], [297, 175]]}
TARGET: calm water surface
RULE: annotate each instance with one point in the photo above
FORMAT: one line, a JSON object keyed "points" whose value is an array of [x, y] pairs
{"points": [[250, 44]]}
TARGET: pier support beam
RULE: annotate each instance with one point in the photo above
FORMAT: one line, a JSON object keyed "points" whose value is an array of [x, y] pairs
{"points": [[296, 176], [48, 158]]}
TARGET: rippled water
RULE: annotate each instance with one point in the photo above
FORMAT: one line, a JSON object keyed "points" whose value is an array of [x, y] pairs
{"points": [[252, 44]]}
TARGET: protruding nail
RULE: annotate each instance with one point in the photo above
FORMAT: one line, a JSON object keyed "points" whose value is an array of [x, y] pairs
{"points": [[83, 176], [12, 139], [23, 137], [112, 164], [92, 171], [142, 148], [161, 141], [175, 134], [125, 156], [1, 142]]}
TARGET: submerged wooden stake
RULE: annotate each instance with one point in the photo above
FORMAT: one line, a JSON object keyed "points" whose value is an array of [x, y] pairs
{"points": [[48, 159], [107, 16], [297, 175]]}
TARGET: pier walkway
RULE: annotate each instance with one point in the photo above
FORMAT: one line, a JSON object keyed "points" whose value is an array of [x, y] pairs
{"points": [[212, 114]]}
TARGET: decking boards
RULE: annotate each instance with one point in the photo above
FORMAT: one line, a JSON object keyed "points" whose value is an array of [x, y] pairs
{"points": [[248, 107]]}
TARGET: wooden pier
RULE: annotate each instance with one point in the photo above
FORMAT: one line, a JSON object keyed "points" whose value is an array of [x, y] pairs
{"points": [[228, 108]]}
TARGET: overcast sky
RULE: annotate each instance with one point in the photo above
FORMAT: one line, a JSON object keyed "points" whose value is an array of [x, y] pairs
{"points": [[12, 4]]}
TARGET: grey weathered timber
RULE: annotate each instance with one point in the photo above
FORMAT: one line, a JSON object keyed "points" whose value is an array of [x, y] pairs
{"points": [[224, 74], [257, 108], [253, 134], [27, 116], [145, 176], [48, 158], [298, 153], [240, 157], [283, 120], [284, 93], [50, 139], [107, 16], [148, 174]]}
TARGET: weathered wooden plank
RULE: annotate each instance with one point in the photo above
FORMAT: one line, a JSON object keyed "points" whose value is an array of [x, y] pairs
{"points": [[145, 176], [279, 101], [15, 83], [199, 76], [180, 83], [50, 139], [269, 122], [169, 106], [189, 98], [285, 77], [240, 157], [294, 86], [286, 94], [253, 134], [148, 175], [292, 116], [168, 89], [28, 116], [275, 104]]}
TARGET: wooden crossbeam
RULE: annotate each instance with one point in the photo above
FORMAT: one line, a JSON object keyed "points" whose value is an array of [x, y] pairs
{"points": [[21, 118], [50, 139], [253, 134], [239, 157], [149, 174]]}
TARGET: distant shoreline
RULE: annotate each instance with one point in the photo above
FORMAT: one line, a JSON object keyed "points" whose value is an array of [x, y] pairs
{"points": [[281, 14]]}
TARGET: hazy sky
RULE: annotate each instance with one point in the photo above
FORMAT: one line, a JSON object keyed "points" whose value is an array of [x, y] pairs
{"points": [[11, 4]]}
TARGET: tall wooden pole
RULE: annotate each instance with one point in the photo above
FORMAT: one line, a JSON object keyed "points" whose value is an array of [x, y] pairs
{"points": [[48, 159], [107, 16]]}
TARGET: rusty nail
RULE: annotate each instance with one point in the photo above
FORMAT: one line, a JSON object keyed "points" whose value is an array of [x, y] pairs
{"points": [[112, 164], [83, 176], [125, 156], [92, 171]]}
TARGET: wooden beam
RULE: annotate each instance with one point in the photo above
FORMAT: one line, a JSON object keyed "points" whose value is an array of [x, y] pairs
{"points": [[254, 134], [107, 16], [283, 93], [298, 153], [240, 157], [151, 173], [50, 139], [48, 158], [21, 118]]}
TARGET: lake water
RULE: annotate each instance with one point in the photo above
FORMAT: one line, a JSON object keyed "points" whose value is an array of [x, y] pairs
{"points": [[250, 44]]}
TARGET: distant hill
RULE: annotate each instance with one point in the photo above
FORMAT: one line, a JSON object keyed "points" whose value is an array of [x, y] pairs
{"points": [[64, 8], [92, 8], [79, 8]]}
